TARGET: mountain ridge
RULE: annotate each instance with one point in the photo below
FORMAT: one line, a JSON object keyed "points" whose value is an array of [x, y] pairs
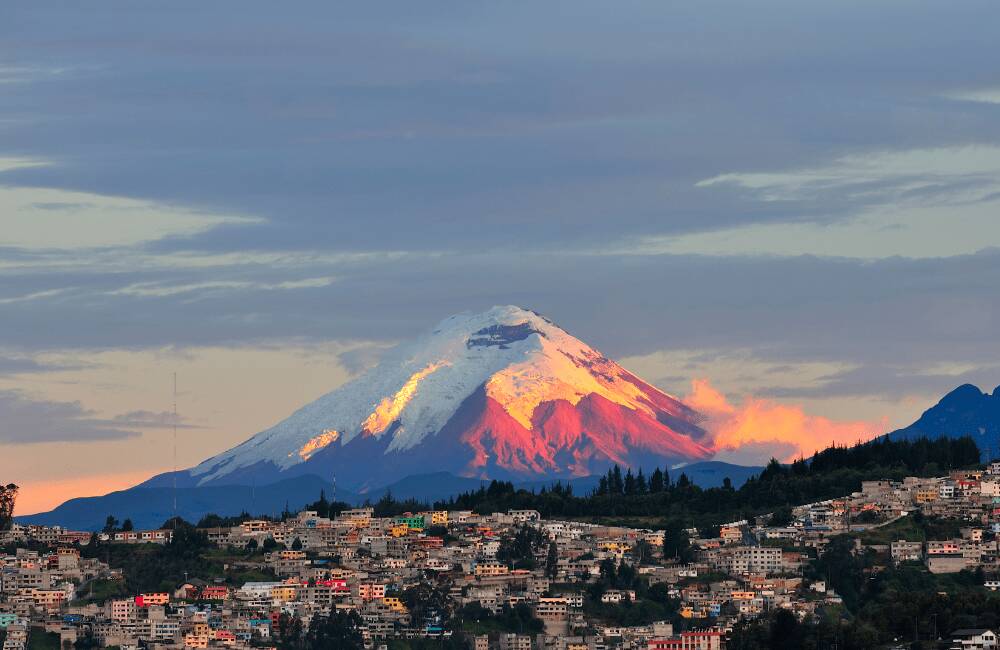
{"points": [[965, 410], [150, 506], [504, 393]]}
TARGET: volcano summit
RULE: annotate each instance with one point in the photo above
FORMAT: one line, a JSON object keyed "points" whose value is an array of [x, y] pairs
{"points": [[501, 394]]}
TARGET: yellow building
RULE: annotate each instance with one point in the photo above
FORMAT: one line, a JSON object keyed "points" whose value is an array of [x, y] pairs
{"points": [[283, 593], [491, 569], [395, 604], [613, 547], [926, 496], [437, 517]]}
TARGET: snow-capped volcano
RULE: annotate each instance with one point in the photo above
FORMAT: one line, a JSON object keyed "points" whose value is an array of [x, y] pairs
{"points": [[503, 393]]}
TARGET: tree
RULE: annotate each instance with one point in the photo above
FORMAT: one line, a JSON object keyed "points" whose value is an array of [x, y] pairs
{"points": [[656, 481], [212, 520], [296, 544], [642, 552], [110, 524], [127, 526], [867, 517], [842, 569], [617, 484], [8, 496], [322, 507], [428, 603], [186, 538], [676, 544], [781, 517], [335, 630], [711, 531], [288, 633], [552, 561], [785, 632], [629, 482], [521, 548]]}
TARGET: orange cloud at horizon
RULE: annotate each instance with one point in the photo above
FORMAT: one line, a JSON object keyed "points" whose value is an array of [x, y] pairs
{"points": [[42, 496], [787, 430]]}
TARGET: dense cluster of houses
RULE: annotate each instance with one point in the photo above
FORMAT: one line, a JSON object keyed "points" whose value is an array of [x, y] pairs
{"points": [[972, 497], [365, 564], [41, 586]]}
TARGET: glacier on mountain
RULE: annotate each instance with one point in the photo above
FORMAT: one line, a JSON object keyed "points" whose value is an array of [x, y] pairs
{"points": [[520, 358]]}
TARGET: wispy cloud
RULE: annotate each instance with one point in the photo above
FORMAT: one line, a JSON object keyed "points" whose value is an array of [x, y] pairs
{"points": [[34, 295], [149, 420], [915, 203], [24, 365], [27, 420], [982, 95], [153, 289], [54, 218]]}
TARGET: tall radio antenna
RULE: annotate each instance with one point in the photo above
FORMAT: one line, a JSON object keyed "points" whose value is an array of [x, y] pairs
{"points": [[174, 475]]}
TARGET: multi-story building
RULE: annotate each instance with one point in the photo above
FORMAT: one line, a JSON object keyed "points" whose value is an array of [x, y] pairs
{"points": [[371, 591], [927, 495], [524, 516], [123, 610], [695, 640], [904, 551], [491, 569], [515, 642]]}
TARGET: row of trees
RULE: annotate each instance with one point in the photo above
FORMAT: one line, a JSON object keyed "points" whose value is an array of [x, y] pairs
{"points": [[334, 630], [614, 483], [112, 525], [830, 473]]}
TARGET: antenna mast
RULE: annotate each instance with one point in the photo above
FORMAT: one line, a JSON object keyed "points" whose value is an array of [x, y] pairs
{"points": [[174, 475]]}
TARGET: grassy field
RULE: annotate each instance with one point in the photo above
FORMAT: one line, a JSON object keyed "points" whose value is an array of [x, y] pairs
{"points": [[905, 528], [913, 529], [99, 591], [150, 567]]}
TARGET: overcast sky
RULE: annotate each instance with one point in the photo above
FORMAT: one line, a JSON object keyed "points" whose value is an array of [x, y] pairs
{"points": [[797, 201]]}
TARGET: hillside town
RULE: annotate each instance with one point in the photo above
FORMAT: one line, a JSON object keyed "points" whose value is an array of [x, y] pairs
{"points": [[414, 575]]}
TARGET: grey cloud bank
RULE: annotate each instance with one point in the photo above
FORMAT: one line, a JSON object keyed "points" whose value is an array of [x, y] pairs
{"points": [[479, 126], [27, 420], [805, 307], [396, 163]]}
